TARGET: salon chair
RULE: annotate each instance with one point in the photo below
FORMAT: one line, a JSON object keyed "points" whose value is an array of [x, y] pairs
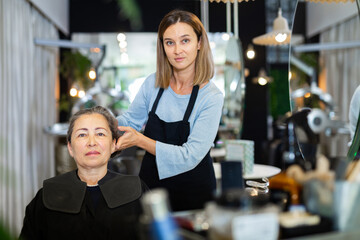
{"points": [[125, 162]]}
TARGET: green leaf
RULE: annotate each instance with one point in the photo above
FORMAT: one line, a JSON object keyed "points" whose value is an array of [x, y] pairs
{"points": [[129, 9]]}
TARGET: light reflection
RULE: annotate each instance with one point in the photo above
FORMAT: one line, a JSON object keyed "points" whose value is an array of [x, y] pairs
{"points": [[280, 37], [262, 81], [124, 58], [134, 88], [250, 53], [92, 74], [95, 50], [73, 92], [233, 86], [121, 37], [123, 44], [81, 94], [225, 37]]}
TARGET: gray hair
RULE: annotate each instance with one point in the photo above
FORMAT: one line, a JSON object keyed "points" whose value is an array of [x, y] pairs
{"points": [[109, 116]]}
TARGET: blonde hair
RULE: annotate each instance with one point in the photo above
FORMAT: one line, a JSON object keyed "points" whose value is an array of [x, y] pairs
{"points": [[204, 63]]}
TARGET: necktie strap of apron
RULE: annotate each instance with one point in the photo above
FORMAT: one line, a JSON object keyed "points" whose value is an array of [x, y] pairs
{"points": [[153, 109], [191, 104]]}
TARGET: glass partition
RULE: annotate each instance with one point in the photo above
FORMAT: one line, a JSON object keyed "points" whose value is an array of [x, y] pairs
{"points": [[324, 74]]}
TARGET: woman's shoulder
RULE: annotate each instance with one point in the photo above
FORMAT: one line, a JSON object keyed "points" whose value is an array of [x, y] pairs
{"points": [[150, 80], [211, 91], [148, 86]]}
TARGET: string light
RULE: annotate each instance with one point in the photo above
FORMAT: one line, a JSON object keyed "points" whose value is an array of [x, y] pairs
{"points": [[121, 37], [73, 92], [81, 94], [124, 57], [92, 74], [250, 53]]}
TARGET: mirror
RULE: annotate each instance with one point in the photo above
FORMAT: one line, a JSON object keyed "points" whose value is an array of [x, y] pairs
{"points": [[324, 54], [126, 66], [234, 88], [122, 70]]}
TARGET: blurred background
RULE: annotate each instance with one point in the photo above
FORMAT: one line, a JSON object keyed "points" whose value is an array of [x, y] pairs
{"points": [[272, 58]]}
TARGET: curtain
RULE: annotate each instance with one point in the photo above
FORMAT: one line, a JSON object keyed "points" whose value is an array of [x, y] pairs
{"points": [[28, 78], [342, 75]]}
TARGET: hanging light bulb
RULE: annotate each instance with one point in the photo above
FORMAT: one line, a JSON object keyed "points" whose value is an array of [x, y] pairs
{"points": [[281, 37], [73, 92], [92, 74], [278, 36], [262, 79], [250, 53]]}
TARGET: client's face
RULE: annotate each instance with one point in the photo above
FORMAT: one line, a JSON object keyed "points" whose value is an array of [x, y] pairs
{"points": [[91, 142]]}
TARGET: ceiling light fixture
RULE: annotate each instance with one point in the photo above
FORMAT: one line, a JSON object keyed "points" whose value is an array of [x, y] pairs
{"points": [[280, 34]]}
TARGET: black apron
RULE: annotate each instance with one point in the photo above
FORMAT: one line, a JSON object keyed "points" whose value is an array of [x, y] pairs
{"points": [[188, 190]]}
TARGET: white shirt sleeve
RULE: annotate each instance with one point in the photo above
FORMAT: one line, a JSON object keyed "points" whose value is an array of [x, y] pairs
{"points": [[137, 114]]}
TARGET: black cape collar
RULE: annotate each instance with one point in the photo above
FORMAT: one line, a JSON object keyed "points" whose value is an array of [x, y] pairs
{"points": [[66, 192]]}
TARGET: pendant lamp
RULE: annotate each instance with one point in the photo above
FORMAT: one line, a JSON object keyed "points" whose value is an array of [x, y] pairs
{"points": [[262, 79], [280, 34]]}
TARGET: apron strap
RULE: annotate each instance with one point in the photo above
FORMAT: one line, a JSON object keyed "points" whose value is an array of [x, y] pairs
{"points": [[191, 104], [153, 109]]}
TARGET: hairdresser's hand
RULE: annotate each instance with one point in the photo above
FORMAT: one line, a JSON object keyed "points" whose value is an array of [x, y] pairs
{"points": [[128, 139], [131, 138]]}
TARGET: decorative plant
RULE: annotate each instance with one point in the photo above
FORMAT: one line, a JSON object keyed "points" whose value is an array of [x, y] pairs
{"points": [[75, 67], [311, 60], [129, 9], [4, 235]]}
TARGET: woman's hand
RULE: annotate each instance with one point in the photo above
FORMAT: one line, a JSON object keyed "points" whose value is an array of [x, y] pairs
{"points": [[131, 138], [128, 139]]}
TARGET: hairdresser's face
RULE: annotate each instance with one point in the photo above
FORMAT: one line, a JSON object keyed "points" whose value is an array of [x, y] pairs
{"points": [[91, 142], [181, 46]]}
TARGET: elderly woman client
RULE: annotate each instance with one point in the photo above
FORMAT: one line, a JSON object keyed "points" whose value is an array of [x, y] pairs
{"points": [[90, 202]]}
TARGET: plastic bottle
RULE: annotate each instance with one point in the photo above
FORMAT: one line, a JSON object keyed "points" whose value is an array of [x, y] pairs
{"points": [[162, 225]]}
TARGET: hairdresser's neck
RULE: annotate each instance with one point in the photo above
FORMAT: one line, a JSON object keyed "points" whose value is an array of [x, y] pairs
{"points": [[183, 81]]}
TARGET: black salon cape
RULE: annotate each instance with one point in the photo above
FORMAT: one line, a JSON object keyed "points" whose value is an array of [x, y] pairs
{"points": [[63, 209]]}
